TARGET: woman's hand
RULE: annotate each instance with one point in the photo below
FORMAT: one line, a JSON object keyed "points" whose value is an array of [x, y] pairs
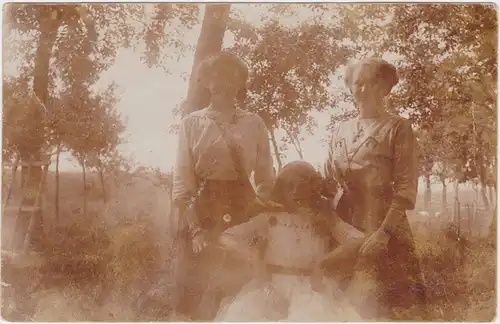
{"points": [[200, 241], [376, 243], [243, 250], [264, 202]]}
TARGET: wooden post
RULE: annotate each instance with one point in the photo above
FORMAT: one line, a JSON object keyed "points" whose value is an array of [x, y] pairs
{"points": [[28, 213], [13, 181]]}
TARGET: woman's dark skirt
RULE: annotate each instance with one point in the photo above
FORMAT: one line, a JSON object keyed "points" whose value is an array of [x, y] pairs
{"points": [[214, 274], [388, 285]]}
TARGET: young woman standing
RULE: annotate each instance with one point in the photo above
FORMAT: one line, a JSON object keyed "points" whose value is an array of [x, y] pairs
{"points": [[372, 163], [219, 147]]}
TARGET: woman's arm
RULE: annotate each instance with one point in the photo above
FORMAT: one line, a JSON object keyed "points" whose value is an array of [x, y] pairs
{"points": [[248, 240], [184, 188], [247, 237], [342, 258], [350, 240], [405, 175], [342, 231]]}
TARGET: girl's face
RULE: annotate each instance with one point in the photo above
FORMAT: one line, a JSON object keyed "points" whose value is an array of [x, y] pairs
{"points": [[298, 192]]}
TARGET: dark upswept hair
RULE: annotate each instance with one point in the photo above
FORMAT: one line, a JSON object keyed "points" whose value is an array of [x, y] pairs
{"points": [[293, 172], [301, 171], [370, 70], [222, 60]]}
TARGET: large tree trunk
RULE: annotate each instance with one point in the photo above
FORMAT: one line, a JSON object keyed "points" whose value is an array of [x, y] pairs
{"points": [[32, 149], [276, 149], [58, 157], [210, 42]]}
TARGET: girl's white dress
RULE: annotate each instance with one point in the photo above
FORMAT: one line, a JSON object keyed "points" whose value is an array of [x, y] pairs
{"points": [[292, 242]]}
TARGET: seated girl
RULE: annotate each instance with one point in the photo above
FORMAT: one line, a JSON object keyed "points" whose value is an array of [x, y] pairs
{"points": [[289, 248]]}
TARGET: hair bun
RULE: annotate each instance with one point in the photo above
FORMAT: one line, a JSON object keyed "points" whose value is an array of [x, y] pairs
{"points": [[370, 69], [222, 60]]}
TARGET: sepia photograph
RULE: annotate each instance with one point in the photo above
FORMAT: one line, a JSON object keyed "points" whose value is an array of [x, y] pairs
{"points": [[249, 162]]}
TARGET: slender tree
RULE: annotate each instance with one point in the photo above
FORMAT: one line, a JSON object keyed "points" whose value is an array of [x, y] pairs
{"points": [[209, 42]]}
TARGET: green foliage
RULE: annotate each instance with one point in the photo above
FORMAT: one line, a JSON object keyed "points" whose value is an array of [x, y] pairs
{"points": [[88, 39], [446, 57], [169, 22], [291, 71]]}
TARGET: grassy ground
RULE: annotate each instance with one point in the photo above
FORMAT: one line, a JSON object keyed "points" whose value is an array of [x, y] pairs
{"points": [[115, 263]]}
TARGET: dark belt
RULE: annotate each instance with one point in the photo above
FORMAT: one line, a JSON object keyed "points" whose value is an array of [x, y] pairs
{"points": [[273, 268], [350, 191], [222, 204]]}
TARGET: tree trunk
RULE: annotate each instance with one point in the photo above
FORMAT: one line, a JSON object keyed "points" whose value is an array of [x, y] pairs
{"points": [[296, 144], [58, 157], [276, 149], [484, 196], [427, 193], [444, 197], [491, 196], [84, 174], [483, 177], [492, 235], [31, 151], [209, 42], [103, 183], [456, 205]]}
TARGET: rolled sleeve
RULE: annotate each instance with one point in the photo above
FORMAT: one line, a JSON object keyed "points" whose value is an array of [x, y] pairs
{"points": [[184, 184], [251, 231]]}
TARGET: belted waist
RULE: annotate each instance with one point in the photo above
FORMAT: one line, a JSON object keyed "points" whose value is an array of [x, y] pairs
{"points": [[353, 187], [294, 271], [350, 190], [223, 203]]}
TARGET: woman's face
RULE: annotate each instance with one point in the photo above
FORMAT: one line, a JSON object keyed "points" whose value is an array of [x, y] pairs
{"points": [[367, 88], [225, 83]]}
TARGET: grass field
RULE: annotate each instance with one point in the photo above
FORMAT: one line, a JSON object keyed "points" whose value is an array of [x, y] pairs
{"points": [[115, 263]]}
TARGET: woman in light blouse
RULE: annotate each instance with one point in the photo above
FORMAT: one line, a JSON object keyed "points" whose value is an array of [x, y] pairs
{"points": [[219, 147]]}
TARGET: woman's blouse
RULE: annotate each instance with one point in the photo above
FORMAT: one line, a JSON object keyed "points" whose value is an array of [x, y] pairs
{"points": [[202, 152], [373, 157]]}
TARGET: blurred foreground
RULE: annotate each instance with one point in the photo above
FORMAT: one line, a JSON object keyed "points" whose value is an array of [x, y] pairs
{"points": [[115, 263]]}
